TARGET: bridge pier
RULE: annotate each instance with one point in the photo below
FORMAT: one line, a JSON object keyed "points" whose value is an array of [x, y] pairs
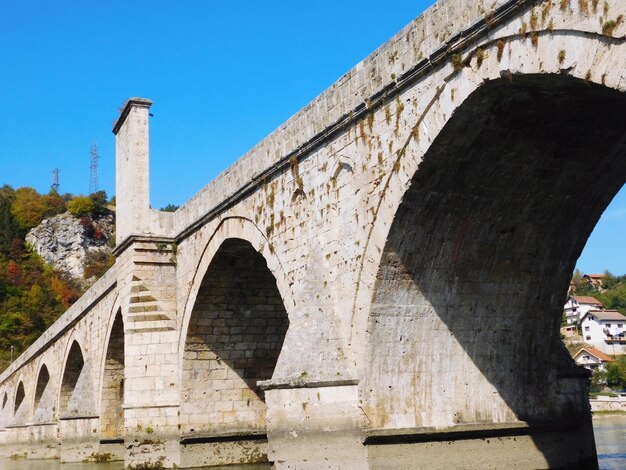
{"points": [[17, 438], [146, 277], [151, 432], [315, 425], [44, 441], [79, 438]]}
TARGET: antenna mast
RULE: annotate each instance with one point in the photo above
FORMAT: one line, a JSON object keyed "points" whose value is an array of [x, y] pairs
{"points": [[93, 180], [55, 180]]}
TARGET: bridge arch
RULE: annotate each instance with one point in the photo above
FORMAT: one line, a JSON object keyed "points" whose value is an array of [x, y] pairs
{"points": [[4, 409], [43, 398], [234, 328], [112, 378], [20, 399], [513, 162], [452, 88], [76, 391]]}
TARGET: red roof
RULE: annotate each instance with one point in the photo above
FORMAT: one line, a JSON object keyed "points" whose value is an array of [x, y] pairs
{"points": [[586, 299], [594, 352]]}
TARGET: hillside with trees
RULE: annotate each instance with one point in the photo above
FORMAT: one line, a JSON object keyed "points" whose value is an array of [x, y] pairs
{"points": [[612, 292], [32, 293]]}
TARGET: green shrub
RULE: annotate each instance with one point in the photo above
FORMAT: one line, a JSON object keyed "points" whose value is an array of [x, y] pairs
{"points": [[80, 206]]}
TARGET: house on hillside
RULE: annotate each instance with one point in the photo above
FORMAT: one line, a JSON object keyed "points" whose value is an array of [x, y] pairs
{"points": [[577, 305], [592, 359], [595, 280], [605, 330], [569, 331]]}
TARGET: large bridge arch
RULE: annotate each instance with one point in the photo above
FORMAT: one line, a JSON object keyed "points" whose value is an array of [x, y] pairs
{"points": [[233, 337], [590, 58], [493, 199]]}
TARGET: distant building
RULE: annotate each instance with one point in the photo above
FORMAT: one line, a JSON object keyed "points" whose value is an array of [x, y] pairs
{"points": [[605, 330], [592, 359], [577, 305], [595, 280], [569, 331]]}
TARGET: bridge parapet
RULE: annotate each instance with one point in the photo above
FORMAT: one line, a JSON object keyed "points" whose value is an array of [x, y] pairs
{"points": [[419, 47]]}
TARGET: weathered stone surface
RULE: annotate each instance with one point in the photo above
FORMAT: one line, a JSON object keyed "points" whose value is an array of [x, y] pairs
{"points": [[64, 242], [407, 226]]}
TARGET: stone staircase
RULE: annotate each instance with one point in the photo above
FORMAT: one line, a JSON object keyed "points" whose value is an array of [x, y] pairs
{"points": [[146, 313]]}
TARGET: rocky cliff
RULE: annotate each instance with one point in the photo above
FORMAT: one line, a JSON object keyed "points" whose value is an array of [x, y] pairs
{"points": [[71, 244]]}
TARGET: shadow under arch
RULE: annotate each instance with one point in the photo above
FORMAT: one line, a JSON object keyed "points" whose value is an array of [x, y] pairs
{"points": [[4, 410], [43, 400], [20, 402], [76, 392], [463, 325], [112, 381], [233, 338]]}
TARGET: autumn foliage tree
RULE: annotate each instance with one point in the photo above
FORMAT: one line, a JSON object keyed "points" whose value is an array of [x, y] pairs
{"points": [[81, 206], [29, 207], [32, 294]]}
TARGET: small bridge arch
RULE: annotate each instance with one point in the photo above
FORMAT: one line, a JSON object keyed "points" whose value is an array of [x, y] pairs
{"points": [[44, 405], [112, 379], [76, 391]]}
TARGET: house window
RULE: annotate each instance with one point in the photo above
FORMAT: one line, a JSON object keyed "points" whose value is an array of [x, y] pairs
{"points": [[585, 358], [588, 338], [586, 328], [608, 325], [620, 325]]}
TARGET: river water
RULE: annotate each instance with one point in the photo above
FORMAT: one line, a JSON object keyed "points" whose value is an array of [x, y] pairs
{"points": [[610, 432]]}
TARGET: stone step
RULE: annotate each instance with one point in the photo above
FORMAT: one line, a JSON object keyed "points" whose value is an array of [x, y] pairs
{"points": [[136, 318], [151, 326], [152, 306], [136, 286], [144, 296]]}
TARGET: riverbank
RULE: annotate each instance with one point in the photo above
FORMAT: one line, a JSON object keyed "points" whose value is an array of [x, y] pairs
{"points": [[606, 403]]}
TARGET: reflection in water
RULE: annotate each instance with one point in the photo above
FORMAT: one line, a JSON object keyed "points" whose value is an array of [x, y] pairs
{"points": [[610, 432]]}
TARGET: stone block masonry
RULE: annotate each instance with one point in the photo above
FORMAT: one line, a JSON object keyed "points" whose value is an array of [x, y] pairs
{"points": [[377, 284]]}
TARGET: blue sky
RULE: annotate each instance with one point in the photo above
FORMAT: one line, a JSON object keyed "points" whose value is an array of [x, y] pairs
{"points": [[222, 75]]}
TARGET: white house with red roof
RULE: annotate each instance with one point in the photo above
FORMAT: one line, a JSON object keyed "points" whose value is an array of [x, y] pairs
{"points": [[605, 330], [577, 305], [592, 359]]}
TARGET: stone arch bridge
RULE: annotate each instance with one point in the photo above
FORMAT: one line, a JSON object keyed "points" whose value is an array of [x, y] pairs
{"points": [[377, 284]]}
